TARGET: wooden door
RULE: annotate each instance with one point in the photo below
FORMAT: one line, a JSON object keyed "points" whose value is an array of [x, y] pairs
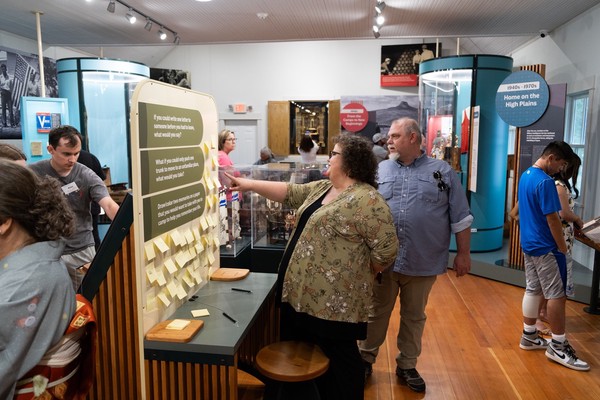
{"points": [[333, 126], [278, 128]]}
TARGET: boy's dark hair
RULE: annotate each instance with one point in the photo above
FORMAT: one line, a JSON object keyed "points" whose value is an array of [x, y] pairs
{"points": [[560, 149]]}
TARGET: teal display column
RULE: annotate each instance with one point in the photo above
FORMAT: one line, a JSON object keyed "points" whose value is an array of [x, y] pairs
{"points": [[449, 86], [99, 92]]}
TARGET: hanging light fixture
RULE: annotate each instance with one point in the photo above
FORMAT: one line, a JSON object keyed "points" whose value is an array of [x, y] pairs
{"points": [[130, 17], [380, 6]]}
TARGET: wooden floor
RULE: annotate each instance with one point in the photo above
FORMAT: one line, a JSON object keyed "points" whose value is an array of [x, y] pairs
{"points": [[471, 350]]}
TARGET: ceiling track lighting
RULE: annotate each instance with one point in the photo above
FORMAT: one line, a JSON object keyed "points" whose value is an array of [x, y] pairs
{"points": [[150, 22], [130, 17], [379, 19]]}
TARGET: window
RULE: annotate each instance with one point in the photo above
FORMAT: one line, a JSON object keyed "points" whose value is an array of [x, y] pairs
{"points": [[576, 128]]}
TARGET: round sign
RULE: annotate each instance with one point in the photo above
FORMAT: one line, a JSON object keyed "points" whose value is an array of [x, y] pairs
{"points": [[354, 117], [522, 98]]}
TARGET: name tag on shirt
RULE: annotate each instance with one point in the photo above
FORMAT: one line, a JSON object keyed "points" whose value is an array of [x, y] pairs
{"points": [[70, 188]]}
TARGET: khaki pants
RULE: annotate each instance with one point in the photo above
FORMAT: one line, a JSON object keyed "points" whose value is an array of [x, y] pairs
{"points": [[414, 293]]}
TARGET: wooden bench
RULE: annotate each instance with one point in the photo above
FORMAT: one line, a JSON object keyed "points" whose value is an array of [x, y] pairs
{"points": [[292, 367]]}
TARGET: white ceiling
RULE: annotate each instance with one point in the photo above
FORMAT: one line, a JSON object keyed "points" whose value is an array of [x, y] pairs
{"points": [[483, 26]]}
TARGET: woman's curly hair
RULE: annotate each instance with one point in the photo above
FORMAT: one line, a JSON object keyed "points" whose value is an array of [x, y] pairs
{"points": [[37, 204], [358, 160]]}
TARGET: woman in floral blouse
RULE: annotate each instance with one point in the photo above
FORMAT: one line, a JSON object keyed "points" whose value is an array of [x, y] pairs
{"points": [[343, 236]]}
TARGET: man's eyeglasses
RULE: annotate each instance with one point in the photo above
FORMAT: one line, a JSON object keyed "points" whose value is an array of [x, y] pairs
{"points": [[334, 153], [437, 175]]}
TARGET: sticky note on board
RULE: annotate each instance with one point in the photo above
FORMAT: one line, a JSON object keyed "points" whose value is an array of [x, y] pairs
{"points": [[149, 250], [189, 236], [181, 259], [176, 237], [209, 182], [216, 180], [181, 293], [151, 273], [164, 299], [188, 281], [160, 243], [170, 265], [200, 313], [199, 247], [172, 288], [160, 277], [203, 223], [211, 258], [206, 149]]}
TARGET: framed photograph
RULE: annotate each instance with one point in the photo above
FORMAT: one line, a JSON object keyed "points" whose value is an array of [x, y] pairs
{"points": [[400, 63]]}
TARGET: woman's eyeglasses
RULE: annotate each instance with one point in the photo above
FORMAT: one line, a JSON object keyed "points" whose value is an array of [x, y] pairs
{"points": [[437, 175], [231, 140], [334, 153]]}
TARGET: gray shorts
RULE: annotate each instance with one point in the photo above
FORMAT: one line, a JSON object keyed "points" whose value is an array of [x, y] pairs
{"points": [[546, 275]]}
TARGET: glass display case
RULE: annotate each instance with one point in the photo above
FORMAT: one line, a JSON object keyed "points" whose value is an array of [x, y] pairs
{"points": [[234, 215], [272, 222]]}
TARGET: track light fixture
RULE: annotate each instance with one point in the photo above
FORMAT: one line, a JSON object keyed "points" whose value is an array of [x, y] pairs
{"points": [[130, 17], [380, 6], [378, 20]]}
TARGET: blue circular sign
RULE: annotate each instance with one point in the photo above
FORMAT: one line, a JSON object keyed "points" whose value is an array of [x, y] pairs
{"points": [[522, 98]]}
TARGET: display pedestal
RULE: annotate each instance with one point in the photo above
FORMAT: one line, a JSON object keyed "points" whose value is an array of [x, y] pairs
{"points": [[593, 307]]}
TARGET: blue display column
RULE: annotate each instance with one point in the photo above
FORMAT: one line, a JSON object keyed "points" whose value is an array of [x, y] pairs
{"points": [[452, 87], [99, 92]]}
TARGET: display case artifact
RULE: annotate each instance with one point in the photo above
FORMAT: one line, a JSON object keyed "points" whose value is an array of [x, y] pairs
{"points": [[273, 222]]}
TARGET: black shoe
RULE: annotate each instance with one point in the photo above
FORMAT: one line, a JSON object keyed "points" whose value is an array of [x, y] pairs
{"points": [[368, 370], [411, 378]]}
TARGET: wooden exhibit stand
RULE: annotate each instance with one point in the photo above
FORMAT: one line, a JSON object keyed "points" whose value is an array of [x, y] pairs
{"points": [[593, 307]]}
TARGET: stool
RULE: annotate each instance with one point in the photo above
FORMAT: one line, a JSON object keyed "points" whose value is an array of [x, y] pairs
{"points": [[292, 366]]}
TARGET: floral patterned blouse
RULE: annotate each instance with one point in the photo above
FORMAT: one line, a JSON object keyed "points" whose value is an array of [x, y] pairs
{"points": [[329, 275], [567, 227]]}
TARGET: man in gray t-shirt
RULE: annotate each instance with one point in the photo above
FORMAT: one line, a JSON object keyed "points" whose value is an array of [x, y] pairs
{"points": [[81, 186]]}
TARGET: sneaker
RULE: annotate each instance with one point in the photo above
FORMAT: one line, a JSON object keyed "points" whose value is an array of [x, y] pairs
{"points": [[532, 341], [564, 354], [411, 378], [368, 370]]}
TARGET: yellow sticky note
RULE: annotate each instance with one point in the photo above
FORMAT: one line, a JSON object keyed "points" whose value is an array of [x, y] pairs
{"points": [[196, 230], [216, 241], [216, 180], [211, 258], [178, 324], [170, 265], [215, 161], [200, 313], [160, 277], [181, 259], [199, 248], [160, 243], [172, 288], [198, 277], [151, 273], [209, 201], [189, 236], [206, 149], [209, 183], [211, 221], [149, 250], [203, 223], [188, 281], [177, 238], [164, 299], [181, 293]]}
